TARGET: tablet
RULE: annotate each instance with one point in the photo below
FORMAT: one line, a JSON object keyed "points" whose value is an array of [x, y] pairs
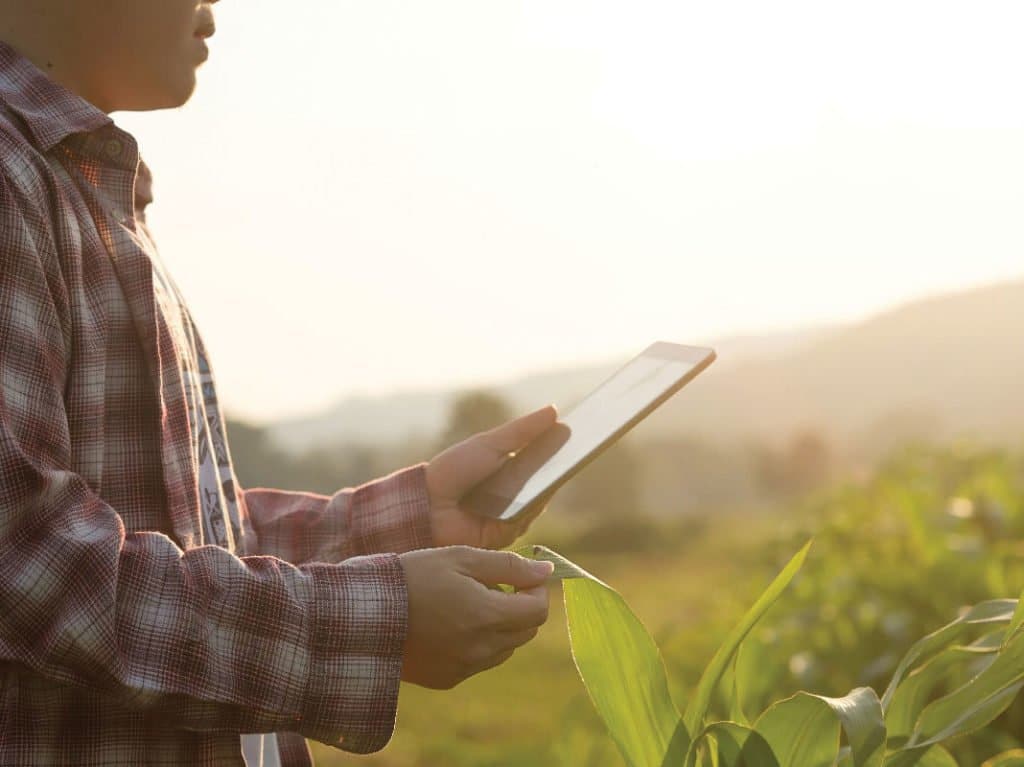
{"points": [[526, 481]]}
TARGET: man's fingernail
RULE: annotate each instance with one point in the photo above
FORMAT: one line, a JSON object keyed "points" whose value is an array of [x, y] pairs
{"points": [[543, 567]]}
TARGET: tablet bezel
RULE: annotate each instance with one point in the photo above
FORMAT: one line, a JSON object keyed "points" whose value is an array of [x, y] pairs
{"points": [[698, 357]]}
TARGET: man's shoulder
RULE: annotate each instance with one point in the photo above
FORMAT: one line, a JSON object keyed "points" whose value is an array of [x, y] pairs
{"points": [[24, 170], [31, 215]]}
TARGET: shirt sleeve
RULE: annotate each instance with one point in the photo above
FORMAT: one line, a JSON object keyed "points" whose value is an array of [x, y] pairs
{"points": [[391, 514], [200, 639]]}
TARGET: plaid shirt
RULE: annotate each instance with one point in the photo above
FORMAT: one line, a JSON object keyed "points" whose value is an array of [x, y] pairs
{"points": [[126, 636]]}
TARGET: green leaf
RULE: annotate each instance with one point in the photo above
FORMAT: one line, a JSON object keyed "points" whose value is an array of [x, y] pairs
{"points": [[697, 709], [803, 731], [729, 744], [736, 712], [620, 666], [976, 703], [1013, 758], [1016, 621], [917, 688], [934, 756], [993, 611], [860, 714]]}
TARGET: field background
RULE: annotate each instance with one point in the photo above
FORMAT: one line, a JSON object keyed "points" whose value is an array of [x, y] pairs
{"points": [[894, 558], [915, 514]]}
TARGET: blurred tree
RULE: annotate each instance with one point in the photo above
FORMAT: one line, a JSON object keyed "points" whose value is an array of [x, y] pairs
{"points": [[258, 462], [802, 465], [690, 475], [324, 469], [769, 469], [472, 412], [809, 462]]}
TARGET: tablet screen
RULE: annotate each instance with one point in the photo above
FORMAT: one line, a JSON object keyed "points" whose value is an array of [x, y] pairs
{"points": [[603, 413]]}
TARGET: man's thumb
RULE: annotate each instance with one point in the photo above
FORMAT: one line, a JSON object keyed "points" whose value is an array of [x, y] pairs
{"points": [[514, 434], [506, 567]]}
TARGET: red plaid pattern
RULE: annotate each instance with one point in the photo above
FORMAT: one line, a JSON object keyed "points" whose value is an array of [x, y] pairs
{"points": [[125, 639]]}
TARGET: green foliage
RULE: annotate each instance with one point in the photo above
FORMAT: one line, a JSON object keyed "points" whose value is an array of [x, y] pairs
{"points": [[623, 671], [898, 552], [805, 728], [631, 693], [697, 710]]}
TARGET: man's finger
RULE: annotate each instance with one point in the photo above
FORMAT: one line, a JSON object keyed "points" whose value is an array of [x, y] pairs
{"points": [[523, 610], [510, 640], [491, 661], [515, 434], [506, 567], [463, 466]]}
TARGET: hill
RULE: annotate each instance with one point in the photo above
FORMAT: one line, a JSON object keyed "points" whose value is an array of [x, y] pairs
{"points": [[397, 417], [940, 367]]}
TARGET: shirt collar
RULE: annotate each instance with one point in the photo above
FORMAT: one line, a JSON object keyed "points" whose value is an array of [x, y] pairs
{"points": [[50, 111]]}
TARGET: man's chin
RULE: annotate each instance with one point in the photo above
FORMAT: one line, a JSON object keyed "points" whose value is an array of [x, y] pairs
{"points": [[170, 95]]}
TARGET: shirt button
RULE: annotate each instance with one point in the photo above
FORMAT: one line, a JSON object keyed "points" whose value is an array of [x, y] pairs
{"points": [[113, 149]]}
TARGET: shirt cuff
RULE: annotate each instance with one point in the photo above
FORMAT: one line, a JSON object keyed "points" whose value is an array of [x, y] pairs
{"points": [[392, 514], [359, 631]]}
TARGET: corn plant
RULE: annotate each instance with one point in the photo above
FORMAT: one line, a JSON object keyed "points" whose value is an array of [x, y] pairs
{"points": [[949, 684]]}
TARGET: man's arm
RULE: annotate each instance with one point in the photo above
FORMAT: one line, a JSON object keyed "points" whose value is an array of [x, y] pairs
{"points": [[201, 639], [391, 514], [411, 509]]}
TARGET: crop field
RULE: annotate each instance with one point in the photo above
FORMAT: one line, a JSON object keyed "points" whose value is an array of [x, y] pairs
{"points": [[895, 557]]}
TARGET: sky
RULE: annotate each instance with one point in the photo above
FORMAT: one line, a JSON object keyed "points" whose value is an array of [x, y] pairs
{"points": [[372, 197]]}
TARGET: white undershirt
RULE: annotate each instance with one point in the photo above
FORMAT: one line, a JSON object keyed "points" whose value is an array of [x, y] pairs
{"points": [[222, 525]]}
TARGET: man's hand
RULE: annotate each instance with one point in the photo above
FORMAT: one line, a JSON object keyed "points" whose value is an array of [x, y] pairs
{"points": [[453, 473], [457, 625]]}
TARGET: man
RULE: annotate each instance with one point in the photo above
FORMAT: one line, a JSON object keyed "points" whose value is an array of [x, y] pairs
{"points": [[151, 611]]}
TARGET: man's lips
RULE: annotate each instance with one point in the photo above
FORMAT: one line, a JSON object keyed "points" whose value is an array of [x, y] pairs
{"points": [[206, 30]]}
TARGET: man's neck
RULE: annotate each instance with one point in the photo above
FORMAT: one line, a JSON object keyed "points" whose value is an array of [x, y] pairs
{"points": [[30, 30]]}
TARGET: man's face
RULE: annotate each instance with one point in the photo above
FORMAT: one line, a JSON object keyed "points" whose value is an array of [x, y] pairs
{"points": [[142, 54]]}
